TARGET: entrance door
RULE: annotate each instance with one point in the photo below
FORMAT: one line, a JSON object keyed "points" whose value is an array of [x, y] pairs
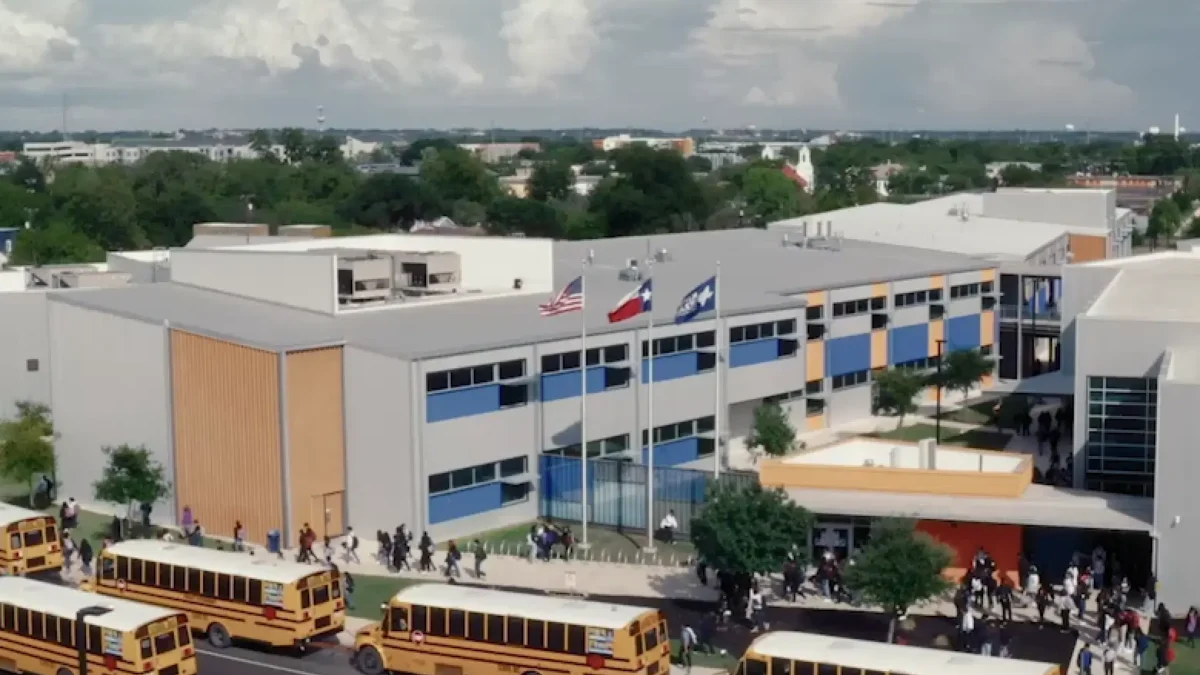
{"points": [[327, 517], [833, 537]]}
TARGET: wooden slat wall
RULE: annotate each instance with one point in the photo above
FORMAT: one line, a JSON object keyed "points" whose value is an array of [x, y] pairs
{"points": [[228, 464], [316, 443]]}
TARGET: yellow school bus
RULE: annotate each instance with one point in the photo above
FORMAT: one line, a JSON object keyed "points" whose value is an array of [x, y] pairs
{"points": [[30, 544], [467, 630], [38, 633], [228, 596], [784, 653]]}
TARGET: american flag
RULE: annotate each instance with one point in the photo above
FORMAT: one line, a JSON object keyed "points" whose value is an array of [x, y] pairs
{"points": [[569, 299]]}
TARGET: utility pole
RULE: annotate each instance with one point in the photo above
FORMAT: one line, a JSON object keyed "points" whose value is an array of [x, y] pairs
{"points": [[937, 417]]}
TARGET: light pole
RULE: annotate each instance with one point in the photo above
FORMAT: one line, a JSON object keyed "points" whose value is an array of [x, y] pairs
{"points": [[937, 417], [81, 633]]}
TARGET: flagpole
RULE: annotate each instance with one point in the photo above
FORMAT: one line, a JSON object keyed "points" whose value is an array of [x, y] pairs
{"points": [[650, 419], [583, 391], [717, 368]]}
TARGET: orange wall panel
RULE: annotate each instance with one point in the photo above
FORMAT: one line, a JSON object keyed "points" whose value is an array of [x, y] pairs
{"points": [[987, 328], [988, 275], [815, 298], [316, 439], [879, 290], [938, 281], [816, 422], [879, 349], [228, 459], [1003, 542], [1086, 248], [937, 331], [774, 473], [815, 360]]}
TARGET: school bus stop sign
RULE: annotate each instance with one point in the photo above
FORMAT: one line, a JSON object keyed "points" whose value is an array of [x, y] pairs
{"points": [[418, 637]]}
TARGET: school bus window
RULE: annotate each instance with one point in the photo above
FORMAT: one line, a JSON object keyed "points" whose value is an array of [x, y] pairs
{"points": [[398, 620], [754, 667], [66, 632], [437, 621], [147, 649], [37, 627], [15, 542], [23, 621], [651, 638], [152, 574], [577, 640], [803, 668], [223, 587], [51, 533], [193, 580], [336, 587], [782, 667], [34, 538], [536, 637], [123, 569], [256, 595], [556, 637], [52, 629], [164, 643], [475, 626], [95, 640], [825, 669], [305, 599], [136, 570], [209, 584], [458, 623], [420, 617], [320, 595], [185, 636], [495, 629], [239, 589], [516, 631]]}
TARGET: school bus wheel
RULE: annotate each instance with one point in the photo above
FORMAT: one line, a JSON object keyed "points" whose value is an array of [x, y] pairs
{"points": [[368, 661], [63, 671], [218, 636]]}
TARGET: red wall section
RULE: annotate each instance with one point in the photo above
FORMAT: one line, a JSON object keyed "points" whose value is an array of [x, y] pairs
{"points": [[1003, 542]]}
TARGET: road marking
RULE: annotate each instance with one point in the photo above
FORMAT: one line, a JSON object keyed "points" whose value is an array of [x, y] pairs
{"points": [[252, 662]]}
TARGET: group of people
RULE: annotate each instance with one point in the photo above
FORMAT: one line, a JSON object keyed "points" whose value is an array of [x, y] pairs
{"points": [[68, 517], [395, 550], [544, 538]]}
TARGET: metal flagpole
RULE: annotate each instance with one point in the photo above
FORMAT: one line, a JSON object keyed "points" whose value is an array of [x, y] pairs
{"points": [[650, 420], [583, 391], [717, 398]]}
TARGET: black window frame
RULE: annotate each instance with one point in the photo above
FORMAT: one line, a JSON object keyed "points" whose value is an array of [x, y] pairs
{"points": [[576, 640]]}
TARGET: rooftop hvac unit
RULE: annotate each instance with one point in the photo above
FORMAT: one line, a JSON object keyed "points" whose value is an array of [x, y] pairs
{"points": [[631, 272], [662, 255]]}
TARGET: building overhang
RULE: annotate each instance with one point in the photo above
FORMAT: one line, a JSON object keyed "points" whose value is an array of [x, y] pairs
{"points": [[1058, 383], [1040, 505]]}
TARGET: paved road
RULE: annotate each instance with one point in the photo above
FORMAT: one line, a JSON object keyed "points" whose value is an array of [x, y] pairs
{"points": [[237, 661]]}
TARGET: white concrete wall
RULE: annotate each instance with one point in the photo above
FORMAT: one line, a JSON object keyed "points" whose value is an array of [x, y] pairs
{"points": [[23, 337], [110, 388], [300, 280]]}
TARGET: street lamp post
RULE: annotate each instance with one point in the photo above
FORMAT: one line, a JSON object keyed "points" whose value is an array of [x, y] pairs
{"points": [[81, 633], [937, 418]]}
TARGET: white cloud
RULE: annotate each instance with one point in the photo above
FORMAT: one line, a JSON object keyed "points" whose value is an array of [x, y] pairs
{"points": [[28, 42], [548, 39]]}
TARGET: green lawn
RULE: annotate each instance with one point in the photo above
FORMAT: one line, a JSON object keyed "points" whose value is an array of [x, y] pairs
{"points": [[981, 413], [1187, 660], [370, 592], [606, 544], [700, 659], [975, 438]]}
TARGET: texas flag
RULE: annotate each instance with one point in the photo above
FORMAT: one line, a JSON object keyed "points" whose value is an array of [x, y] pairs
{"points": [[633, 304]]}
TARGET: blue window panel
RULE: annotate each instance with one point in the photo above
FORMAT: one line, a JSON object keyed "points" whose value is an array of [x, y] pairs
{"points": [[673, 453], [463, 503], [559, 386], [850, 354], [449, 405], [753, 353], [962, 332], [910, 343], [671, 367]]}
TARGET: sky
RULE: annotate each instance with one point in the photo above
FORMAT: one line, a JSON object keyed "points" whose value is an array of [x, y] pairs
{"points": [[667, 64]]}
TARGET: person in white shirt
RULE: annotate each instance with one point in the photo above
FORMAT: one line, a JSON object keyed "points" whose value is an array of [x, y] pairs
{"points": [[350, 543], [668, 526], [1033, 582]]}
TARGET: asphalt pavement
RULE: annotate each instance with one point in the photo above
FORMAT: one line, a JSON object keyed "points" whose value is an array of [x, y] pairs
{"points": [[249, 661]]}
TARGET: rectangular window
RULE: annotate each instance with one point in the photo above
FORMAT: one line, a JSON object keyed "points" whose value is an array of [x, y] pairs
{"points": [[485, 473], [305, 599], [256, 592], [683, 343], [462, 478], [66, 633], [513, 395], [495, 629], [511, 370], [570, 361], [52, 630], [536, 638], [556, 637], [615, 378], [706, 361], [460, 377], [511, 494], [826, 669], [814, 387], [737, 334], [123, 569], [593, 357], [551, 363], [576, 640], [706, 339], [786, 327], [439, 482], [136, 571], [437, 622], [878, 304], [458, 623], [705, 425], [782, 667], [95, 640], [239, 589], [814, 313], [37, 627], [513, 466], [420, 616], [752, 332], [193, 581], [616, 353], [516, 631], [935, 295], [475, 624]]}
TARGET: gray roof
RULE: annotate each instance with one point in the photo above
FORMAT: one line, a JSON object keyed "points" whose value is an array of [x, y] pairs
{"points": [[758, 274]]}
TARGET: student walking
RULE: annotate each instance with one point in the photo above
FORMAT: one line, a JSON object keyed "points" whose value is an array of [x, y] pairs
{"points": [[85, 557], [480, 556], [239, 536], [1191, 625], [1085, 660], [453, 555], [687, 645], [351, 546], [1110, 659], [348, 589]]}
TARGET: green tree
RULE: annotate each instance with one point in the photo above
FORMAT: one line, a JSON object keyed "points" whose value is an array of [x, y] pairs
{"points": [[896, 391], [57, 242], [511, 215], [699, 164], [27, 175], [962, 370], [415, 151], [19, 205], [27, 446], [1165, 219], [388, 201], [653, 191], [769, 195], [101, 203], [261, 142], [771, 431], [750, 530], [325, 150], [899, 568], [131, 477], [295, 144], [457, 175], [551, 181]]}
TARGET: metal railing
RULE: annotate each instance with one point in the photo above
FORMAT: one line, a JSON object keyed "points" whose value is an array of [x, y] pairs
{"points": [[1012, 312]]}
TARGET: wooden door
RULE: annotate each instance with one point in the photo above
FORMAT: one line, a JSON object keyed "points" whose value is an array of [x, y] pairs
{"points": [[331, 514]]}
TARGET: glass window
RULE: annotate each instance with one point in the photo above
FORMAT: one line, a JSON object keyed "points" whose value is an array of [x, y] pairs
{"points": [[256, 591], [616, 353], [510, 370], [705, 425], [439, 482], [123, 569], [576, 640], [460, 378], [826, 669], [737, 334], [516, 631], [495, 629], [551, 363], [593, 357], [437, 381], [462, 478], [706, 339], [475, 624], [786, 327], [570, 361], [305, 599], [239, 589], [136, 570], [397, 620], [683, 343], [320, 595], [782, 667], [878, 304], [752, 332], [650, 639], [164, 643], [536, 634], [513, 466], [513, 395], [458, 623], [814, 313], [437, 622], [756, 667], [420, 618], [485, 473], [556, 637]]}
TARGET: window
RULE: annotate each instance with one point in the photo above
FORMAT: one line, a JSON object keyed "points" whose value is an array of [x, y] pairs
{"points": [[437, 622], [239, 589], [460, 378], [437, 381], [878, 304], [570, 360], [462, 478], [514, 466], [615, 378], [8, 614], [804, 668], [419, 617], [814, 407], [936, 312], [475, 622], [482, 374], [193, 581], [706, 361], [95, 641], [511, 494], [577, 640], [551, 363], [23, 621], [305, 599], [511, 370], [935, 295], [123, 569], [52, 629], [786, 327], [616, 353], [485, 473], [814, 313], [513, 395], [31, 365], [439, 483], [851, 379], [136, 571], [761, 331], [814, 387], [536, 634], [34, 538], [826, 669], [756, 667], [320, 594], [706, 340], [516, 631], [593, 357], [987, 287], [458, 623], [782, 667], [850, 308], [164, 643], [556, 637], [495, 629]]}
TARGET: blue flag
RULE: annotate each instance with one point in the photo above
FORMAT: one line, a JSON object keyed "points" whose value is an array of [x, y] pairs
{"points": [[701, 299]]}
